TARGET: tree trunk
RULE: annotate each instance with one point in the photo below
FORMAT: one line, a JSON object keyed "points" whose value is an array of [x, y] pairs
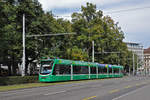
{"points": [[26, 67], [13, 65], [9, 68], [0, 69]]}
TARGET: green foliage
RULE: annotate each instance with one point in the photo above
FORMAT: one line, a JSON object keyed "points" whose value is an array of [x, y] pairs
{"points": [[77, 54], [90, 25]]}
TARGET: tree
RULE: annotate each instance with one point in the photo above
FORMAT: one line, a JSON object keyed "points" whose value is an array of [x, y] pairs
{"points": [[38, 22], [9, 42], [91, 25]]}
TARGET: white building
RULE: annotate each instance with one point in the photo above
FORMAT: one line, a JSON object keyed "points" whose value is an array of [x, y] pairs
{"points": [[139, 51]]}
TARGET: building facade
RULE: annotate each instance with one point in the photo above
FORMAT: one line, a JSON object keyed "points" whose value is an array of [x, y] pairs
{"points": [[137, 49], [147, 59]]}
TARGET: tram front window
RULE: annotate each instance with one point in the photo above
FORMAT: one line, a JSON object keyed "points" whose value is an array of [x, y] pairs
{"points": [[46, 67]]}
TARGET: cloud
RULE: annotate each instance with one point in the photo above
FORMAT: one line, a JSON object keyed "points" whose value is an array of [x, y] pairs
{"points": [[50, 4], [134, 23]]}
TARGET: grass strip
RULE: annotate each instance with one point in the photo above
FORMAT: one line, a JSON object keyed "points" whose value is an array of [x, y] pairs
{"points": [[32, 85], [29, 85]]}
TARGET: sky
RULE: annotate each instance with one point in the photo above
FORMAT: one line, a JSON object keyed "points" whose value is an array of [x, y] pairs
{"points": [[133, 15]]}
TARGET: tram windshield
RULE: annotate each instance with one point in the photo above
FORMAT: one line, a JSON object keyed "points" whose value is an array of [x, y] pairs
{"points": [[46, 67]]}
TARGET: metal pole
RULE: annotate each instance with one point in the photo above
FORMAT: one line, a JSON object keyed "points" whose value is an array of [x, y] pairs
{"points": [[129, 71], [71, 72], [137, 65], [92, 51], [96, 71], [23, 37], [133, 65], [107, 71], [89, 72], [46, 35]]}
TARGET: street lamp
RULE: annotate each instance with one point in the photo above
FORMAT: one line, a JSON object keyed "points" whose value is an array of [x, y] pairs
{"points": [[92, 51], [23, 38]]}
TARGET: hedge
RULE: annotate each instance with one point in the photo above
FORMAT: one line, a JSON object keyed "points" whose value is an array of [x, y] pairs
{"points": [[18, 80]]}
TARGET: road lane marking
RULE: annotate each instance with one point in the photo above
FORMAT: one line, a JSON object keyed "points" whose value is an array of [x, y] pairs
{"points": [[129, 86], [113, 91], [144, 83], [89, 98], [129, 93], [52, 93], [138, 84]]}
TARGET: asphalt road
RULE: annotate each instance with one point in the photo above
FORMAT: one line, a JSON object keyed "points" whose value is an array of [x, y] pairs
{"points": [[127, 88]]}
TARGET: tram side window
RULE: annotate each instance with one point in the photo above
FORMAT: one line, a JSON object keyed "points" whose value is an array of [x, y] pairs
{"points": [[93, 70], [104, 70], [76, 69], [121, 70], [62, 69], [116, 70], [80, 70], [110, 70], [84, 70], [100, 70]]}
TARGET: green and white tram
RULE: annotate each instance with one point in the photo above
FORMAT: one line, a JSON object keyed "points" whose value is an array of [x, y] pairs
{"points": [[52, 70]]}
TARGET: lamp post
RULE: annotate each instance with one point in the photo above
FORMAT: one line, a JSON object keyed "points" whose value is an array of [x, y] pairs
{"points": [[23, 38], [92, 51], [133, 64]]}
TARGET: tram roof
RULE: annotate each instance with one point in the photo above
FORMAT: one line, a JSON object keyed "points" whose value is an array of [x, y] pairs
{"points": [[104, 65], [62, 61], [77, 63], [110, 66], [117, 66]]}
